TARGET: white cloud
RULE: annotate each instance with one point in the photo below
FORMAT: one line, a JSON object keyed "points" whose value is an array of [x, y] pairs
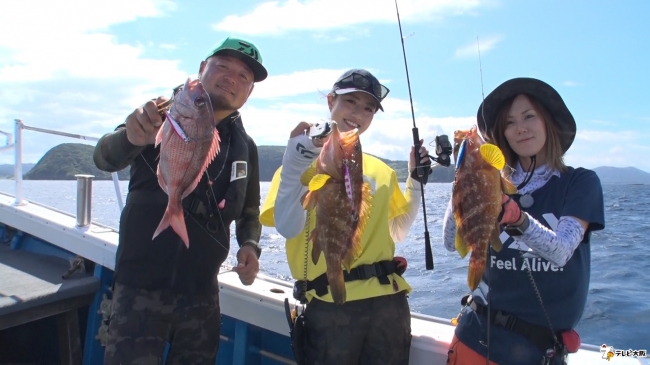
{"points": [[167, 46], [317, 81], [277, 17], [62, 69], [603, 148], [389, 136], [52, 39], [606, 137], [299, 82], [471, 50], [570, 83]]}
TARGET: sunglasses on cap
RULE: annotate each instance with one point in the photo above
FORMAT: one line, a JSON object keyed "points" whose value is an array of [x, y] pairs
{"points": [[363, 83]]}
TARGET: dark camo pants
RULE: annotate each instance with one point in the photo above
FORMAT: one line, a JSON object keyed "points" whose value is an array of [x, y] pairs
{"points": [[369, 331], [142, 322]]}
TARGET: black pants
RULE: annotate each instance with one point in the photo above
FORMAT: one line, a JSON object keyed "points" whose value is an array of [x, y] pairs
{"points": [[369, 331]]}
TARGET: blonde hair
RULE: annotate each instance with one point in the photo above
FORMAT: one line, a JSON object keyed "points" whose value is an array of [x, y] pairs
{"points": [[552, 147]]}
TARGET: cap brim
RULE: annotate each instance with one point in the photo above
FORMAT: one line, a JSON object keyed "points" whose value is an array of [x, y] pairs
{"points": [[551, 99], [351, 90], [259, 72]]}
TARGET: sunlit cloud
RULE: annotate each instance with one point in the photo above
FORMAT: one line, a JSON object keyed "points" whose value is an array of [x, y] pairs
{"points": [[276, 17], [472, 49]]}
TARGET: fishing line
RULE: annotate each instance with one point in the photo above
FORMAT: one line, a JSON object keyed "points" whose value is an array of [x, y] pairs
{"points": [[418, 164], [487, 261], [480, 68]]}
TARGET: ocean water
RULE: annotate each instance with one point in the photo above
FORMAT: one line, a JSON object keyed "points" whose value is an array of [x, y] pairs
{"points": [[618, 305]]}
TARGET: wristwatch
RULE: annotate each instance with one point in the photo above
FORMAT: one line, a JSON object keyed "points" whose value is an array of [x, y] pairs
{"points": [[518, 230], [254, 245]]}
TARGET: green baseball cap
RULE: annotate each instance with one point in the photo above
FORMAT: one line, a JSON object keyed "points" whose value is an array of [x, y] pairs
{"points": [[244, 51]]}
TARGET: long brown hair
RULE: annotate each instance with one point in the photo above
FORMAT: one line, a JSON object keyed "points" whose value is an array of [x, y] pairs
{"points": [[552, 148]]}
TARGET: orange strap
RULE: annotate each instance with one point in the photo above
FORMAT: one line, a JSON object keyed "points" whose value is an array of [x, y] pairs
{"points": [[460, 354]]}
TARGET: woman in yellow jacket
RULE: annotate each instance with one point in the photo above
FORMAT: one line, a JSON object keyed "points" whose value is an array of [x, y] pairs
{"points": [[373, 326]]}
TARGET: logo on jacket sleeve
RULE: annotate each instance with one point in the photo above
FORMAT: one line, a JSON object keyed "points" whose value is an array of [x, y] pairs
{"points": [[239, 170]]}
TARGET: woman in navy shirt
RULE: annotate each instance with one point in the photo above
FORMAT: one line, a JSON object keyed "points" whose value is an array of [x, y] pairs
{"points": [[535, 288]]}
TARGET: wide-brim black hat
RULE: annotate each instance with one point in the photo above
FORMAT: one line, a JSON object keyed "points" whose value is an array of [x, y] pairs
{"points": [[543, 92]]}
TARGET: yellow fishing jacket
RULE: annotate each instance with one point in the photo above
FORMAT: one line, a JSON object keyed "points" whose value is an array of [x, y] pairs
{"points": [[387, 201]]}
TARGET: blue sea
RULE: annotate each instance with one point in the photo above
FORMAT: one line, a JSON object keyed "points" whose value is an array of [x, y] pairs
{"points": [[618, 306]]}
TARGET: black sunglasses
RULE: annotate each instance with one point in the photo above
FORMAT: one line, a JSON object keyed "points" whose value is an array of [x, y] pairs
{"points": [[361, 82]]}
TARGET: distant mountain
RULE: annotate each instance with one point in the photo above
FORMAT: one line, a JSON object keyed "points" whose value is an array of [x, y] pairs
{"points": [[7, 170], [622, 175], [271, 159], [66, 160]]}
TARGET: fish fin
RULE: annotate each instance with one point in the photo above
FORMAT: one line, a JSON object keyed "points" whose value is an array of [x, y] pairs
{"points": [[473, 277], [492, 155], [161, 180], [507, 187], [316, 249], [475, 270], [495, 240], [363, 213], [159, 135], [318, 181], [173, 217], [212, 153], [311, 198], [461, 245], [337, 285]]}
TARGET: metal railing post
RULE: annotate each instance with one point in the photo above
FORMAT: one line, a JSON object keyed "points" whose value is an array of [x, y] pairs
{"points": [[118, 192], [18, 166], [84, 198]]}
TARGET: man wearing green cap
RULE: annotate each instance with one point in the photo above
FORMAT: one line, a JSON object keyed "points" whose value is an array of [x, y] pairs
{"points": [[163, 292]]}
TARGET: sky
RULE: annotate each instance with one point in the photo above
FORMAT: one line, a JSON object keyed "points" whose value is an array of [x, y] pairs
{"points": [[82, 66]]}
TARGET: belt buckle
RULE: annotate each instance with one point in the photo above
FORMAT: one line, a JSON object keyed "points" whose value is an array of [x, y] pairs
{"points": [[473, 306], [299, 291], [503, 320]]}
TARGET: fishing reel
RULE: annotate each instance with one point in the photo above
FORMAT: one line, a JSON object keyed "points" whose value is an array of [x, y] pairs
{"points": [[443, 150], [320, 130]]}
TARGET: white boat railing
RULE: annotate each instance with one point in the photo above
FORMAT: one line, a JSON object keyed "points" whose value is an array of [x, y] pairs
{"points": [[18, 152]]}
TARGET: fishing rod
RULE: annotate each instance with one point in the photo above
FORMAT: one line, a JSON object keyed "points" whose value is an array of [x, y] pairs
{"points": [[423, 171]]}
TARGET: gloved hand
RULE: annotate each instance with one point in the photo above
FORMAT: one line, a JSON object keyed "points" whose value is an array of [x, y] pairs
{"points": [[425, 160], [510, 211]]}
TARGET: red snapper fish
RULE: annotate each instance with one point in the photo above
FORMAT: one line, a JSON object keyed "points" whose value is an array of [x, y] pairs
{"points": [[476, 200], [188, 143], [341, 200]]}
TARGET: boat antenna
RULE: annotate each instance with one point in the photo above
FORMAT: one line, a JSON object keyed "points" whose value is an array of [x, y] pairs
{"points": [[422, 171]]}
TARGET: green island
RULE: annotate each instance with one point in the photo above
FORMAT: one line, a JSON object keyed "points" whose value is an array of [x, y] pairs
{"points": [[66, 160]]}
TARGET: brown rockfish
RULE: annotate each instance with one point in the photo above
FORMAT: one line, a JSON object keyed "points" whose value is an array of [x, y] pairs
{"points": [[476, 200], [341, 200], [188, 142]]}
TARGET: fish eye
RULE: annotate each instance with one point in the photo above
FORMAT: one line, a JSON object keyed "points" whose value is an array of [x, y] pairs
{"points": [[199, 102]]}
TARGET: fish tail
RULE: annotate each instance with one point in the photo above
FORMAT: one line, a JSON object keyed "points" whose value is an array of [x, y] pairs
{"points": [[337, 285], [174, 217], [475, 271]]}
